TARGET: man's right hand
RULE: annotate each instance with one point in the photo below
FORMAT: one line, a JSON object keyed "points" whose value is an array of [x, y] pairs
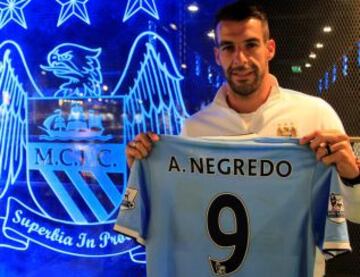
{"points": [[140, 147]]}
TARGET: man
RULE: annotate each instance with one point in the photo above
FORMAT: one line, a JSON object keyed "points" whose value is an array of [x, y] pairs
{"points": [[252, 102]]}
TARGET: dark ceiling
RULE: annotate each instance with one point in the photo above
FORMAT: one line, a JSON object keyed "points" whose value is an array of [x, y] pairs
{"points": [[296, 25]]}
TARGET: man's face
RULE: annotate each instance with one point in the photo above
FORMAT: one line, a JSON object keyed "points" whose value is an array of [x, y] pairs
{"points": [[243, 52]]}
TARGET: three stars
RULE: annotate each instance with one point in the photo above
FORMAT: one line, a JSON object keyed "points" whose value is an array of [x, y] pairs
{"points": [[12, 10]]}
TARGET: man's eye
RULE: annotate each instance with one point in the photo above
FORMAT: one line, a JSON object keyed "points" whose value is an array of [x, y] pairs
{"points": [[227, 48], [251, 45]]}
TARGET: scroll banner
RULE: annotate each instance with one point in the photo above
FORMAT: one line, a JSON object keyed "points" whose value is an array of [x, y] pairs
{"points": [[23, 225]]}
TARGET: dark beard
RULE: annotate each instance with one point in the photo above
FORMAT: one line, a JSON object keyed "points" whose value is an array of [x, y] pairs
{"points": [[244, 89]]}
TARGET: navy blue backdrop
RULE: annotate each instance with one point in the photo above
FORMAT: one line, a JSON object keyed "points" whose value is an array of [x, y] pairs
{"points": [[78, 79]]}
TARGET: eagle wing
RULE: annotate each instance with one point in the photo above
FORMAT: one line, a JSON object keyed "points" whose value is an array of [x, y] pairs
{"points": [[13, 98], [152, 83]]}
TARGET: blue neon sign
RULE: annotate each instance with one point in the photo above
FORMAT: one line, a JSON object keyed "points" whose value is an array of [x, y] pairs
{"points": [[69, 149], [73, 92]]}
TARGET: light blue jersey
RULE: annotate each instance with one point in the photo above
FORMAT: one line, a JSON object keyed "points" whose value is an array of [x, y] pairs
{"points": [[241, 208]]}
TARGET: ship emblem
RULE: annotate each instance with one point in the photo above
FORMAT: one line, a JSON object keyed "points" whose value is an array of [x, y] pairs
{"points": [[76, 126]]}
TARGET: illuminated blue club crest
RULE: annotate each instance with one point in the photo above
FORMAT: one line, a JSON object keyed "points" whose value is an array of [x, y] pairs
{"points": [[72, 152], [68, 147]]}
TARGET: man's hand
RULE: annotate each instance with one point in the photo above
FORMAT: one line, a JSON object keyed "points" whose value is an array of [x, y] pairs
{"points": [[332, 147], [140, 147]]}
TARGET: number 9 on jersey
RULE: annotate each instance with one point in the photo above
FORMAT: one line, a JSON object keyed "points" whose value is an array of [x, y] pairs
{"points": [[238, 240]]}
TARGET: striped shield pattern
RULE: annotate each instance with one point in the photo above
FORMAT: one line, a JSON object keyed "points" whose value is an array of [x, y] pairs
{"points": [[76, 165]]}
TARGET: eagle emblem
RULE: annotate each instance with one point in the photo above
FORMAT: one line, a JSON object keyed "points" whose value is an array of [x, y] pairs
{"points": [[79, 66]]}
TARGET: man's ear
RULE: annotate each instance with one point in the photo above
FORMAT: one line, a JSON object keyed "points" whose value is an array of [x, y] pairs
{"points": [[271, 47], [217, 55]]}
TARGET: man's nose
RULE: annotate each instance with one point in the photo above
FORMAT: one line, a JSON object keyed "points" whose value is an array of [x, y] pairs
{"points": [[240, 57]]}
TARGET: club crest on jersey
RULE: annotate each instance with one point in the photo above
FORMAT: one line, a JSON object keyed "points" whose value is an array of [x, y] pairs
{"points": [[129, 199], [336, 208], [286, 130]]}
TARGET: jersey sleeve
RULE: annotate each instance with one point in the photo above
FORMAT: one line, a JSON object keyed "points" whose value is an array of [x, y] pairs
{"points": [[352, 202], [330, 225], [351, 195], [133, 216]]}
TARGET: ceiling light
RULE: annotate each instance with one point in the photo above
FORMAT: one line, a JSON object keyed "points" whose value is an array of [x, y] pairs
{"points": [[184, 66], [308, 65], [105, 87], [211, 34], [173, 26], [312, 55], [319, 45], [327, 29], [193, 8]]}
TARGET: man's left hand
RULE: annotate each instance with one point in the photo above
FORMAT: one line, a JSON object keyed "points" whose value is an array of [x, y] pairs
{"points": [[333, 147]]}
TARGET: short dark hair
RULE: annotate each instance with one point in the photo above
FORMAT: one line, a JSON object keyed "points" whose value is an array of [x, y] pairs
{"points": [[241, 10]]}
